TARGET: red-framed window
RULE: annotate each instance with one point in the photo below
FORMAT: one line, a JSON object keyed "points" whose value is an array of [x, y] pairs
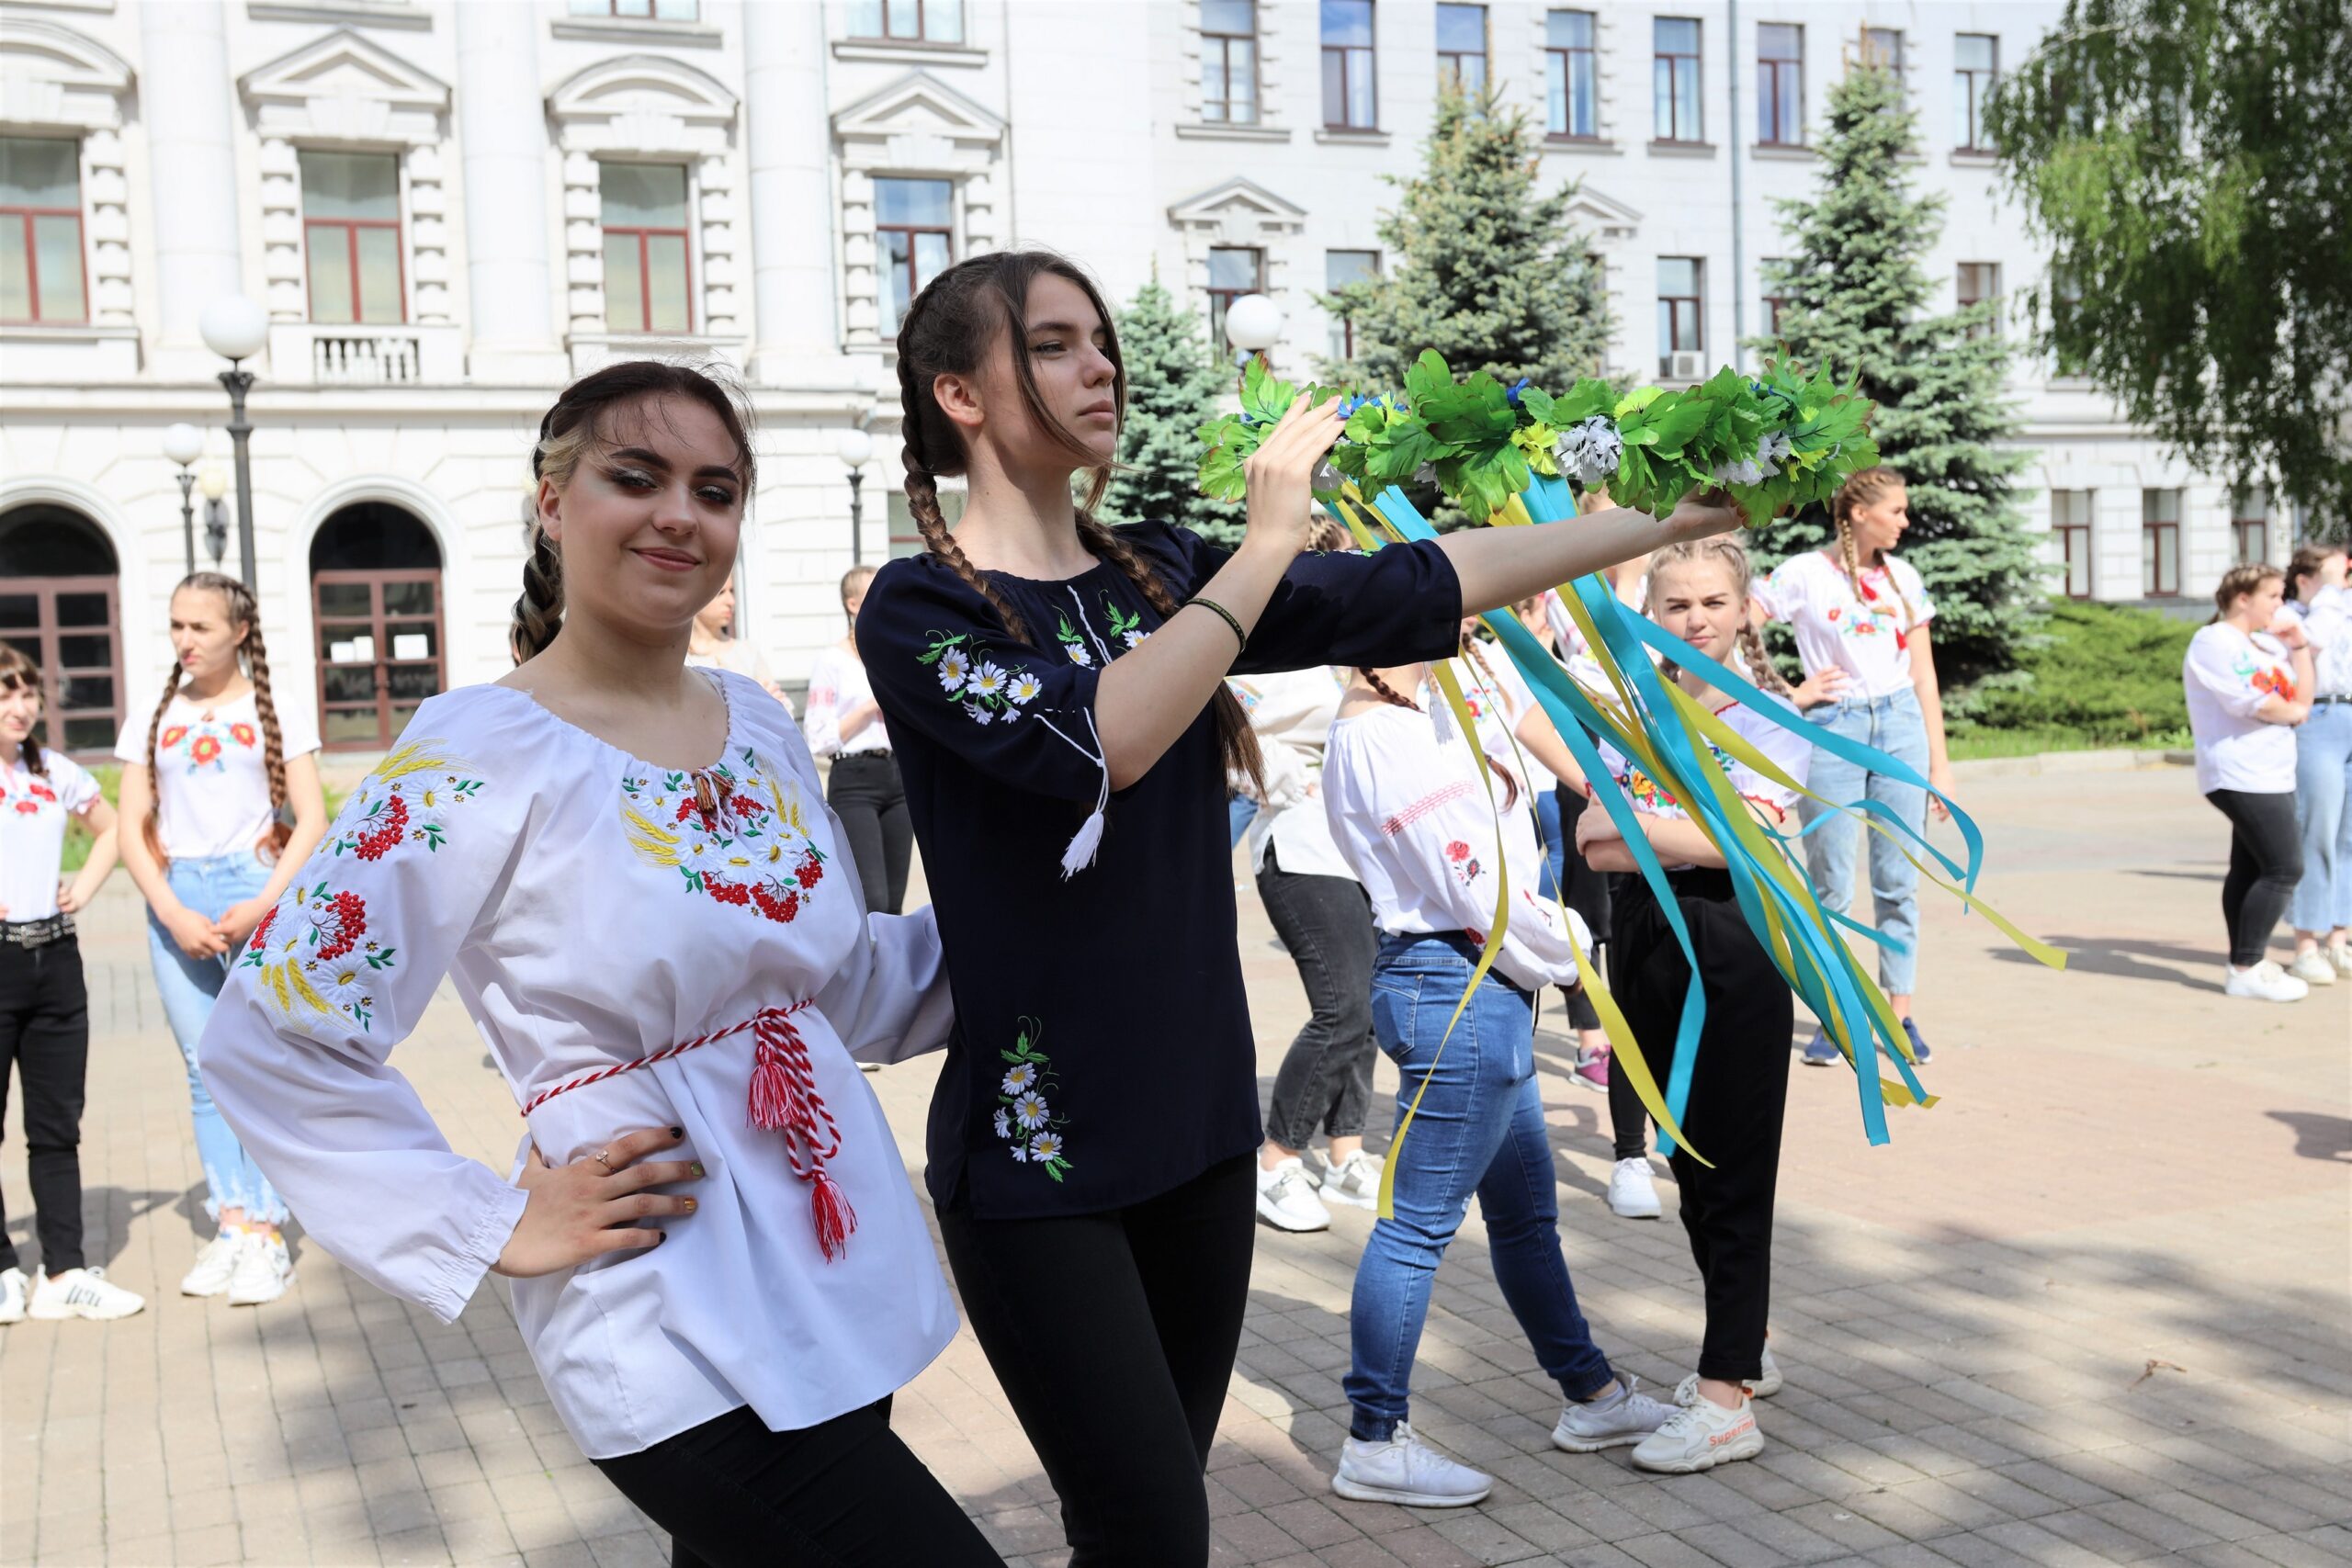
{"points": [[2159, 543], [908, 21], [2250, 527], [1780, 84], [1229, 61], [351, 238], [649, 269], [1234, 271], [1571, 77], [1339, 269], [1976, 66], [1676, 111], [1774, 304], [43, 281], [1462, 47], [1351, 99], [1680, 299], [914, 228], [2070, 521]]}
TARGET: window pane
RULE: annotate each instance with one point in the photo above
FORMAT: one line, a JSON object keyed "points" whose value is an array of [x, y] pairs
{"points": [[665, 282], [57, 248], [85, 692], [19, 610], [1242, 55], [2160, 505], [1344, 267], [1363, 107], [1347, 22], [83, 610], [408, 598], [1335, 88], [16, 276], [1678, 275], [943, 20], [632, 7], [623, 288], [411, 639], [1676, 34], [1662, 99], [1791, 105], [379, 274], [1233, 269], [1975, 51], [1556, 93], [1686, 110], [1213, 82], [1228, 16], [39, 171], [930, 257], [1776, 41], [913, 204], [89, 734], [1568, 30], [1474, 74], [350, 682], [677, 10], [1462, 29], [644, 196], [344, 599], [866, 18], [905, 18], [350, 184], [897, 295], [331, 298], [2078, 564], [1884, 46], [412, 683], [86, 652], [1664, 329]]}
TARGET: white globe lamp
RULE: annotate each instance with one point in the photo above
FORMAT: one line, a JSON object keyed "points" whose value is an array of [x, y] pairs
{"points": [[1253, 323], [233, 327], [183, 444]]}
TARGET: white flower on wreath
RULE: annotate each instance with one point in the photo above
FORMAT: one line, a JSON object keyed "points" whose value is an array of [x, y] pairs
{"points": [[989, 680], [1003, 1125], [1588, 452], [1775, 445], [1025, 687], [953, 665], [1021, 1075], [1029, 1110], [1746, 472], [1046, 1146]]}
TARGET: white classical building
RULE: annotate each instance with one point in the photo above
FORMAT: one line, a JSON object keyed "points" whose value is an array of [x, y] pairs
{"points": [[448, 208]]}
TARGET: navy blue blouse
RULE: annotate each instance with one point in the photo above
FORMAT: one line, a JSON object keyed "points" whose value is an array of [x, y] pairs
{"points": [[1103, 1052]]}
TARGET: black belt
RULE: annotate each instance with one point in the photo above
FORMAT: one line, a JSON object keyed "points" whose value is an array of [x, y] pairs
{"points": [[880, 754], [2334, 697], [36, 934]]}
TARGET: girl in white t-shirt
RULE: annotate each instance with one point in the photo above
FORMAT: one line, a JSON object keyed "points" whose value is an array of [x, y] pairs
{"points": [[45, 1008], [2248, 679], [208, 780], [1858, 610], [863, 786]]}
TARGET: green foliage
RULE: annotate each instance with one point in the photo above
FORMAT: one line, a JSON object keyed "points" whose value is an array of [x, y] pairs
{"points": [[1856, 295], [2188, 162], [1483, 266], [1173, 383], [2107, 674]]}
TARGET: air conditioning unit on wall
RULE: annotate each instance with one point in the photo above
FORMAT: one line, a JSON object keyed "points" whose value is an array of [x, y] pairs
{"points": [[1686, 365]]}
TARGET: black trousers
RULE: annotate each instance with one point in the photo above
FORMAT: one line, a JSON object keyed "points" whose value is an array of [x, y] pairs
{"points": [[1629, 1123], [1584, 890], [1739, 1092], [45, 1036], [2266, 861], [1325, 1081], [865, 792], [1114, 1336], [844, 1494]]}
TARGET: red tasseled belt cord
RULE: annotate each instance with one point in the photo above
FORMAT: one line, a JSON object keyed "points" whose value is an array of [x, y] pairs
{"points": [[784, 1098]]}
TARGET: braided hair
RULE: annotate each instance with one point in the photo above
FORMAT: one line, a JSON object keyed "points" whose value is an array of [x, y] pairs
{"points": [[1864, 489], [239, 609], [1395, 698], [20, 673], [948, 331], [1732, 555]]}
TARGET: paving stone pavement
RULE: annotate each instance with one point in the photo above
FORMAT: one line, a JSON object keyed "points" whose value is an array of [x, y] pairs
{"points": [[2092, 1308]]}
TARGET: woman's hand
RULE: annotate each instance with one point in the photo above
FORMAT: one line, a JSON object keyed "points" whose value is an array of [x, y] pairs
{"points": [[1702, 514], [2289, 631], [1821, 686], [594, 1205], [193, 934], [1939, 776], [239, 922], [1281, 470], [68, 901]]}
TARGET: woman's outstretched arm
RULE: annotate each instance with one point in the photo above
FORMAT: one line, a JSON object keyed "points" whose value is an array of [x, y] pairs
{"points": [[1502, 565]]}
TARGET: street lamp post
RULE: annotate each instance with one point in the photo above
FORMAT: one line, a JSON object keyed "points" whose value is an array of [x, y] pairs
{"points": [[1254, 323], [184, 444], [212, 484], [854, 447], [235, 328]]}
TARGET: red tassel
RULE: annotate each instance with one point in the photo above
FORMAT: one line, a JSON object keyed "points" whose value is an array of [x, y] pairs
{"points": [[771, 1089], [829, 1206]]}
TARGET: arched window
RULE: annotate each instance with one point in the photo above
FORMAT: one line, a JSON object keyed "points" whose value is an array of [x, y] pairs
{"points": [[376, 600], [58, 603]]}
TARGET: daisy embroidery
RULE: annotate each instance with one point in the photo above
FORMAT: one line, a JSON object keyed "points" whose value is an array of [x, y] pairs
{"points": [[1030, 1111], [989, 681], [954, 664], [1126, 625], [1023, 1118], [986, 690], [1023, 687], [1022, 1075], [1073, 644]]}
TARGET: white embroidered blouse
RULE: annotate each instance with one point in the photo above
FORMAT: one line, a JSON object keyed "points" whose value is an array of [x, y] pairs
{"points": [[594, 909]]}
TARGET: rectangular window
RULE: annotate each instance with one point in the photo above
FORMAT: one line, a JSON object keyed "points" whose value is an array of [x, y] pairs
{"points": [[1339, 269], [1977, 65], [2159, 543], [1774, 303], [1884, 46], [41, 232], [646, 269], [1678, 299], [1348, 100], [1234, 270], [1676, 80], [914, 228], [1780, 84], [1979, 282], [658, 10], [1571, 76], [1229, 61], [2250, 526], [351, 232], [908, 21], [1462, 47], [2070, 521]]}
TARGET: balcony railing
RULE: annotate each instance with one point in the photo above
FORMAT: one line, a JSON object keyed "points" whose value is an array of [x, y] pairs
{"points": [[376, 360]]}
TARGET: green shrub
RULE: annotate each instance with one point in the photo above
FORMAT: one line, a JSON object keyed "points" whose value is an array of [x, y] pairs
{"points": [[2107, 674]]}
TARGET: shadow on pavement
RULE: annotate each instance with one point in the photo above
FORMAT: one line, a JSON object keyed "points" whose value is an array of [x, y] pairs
{"points": [[2318, 1137]]}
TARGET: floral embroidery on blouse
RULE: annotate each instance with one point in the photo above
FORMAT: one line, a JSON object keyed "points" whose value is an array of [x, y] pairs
{"points": [[35, 795], [730, 831], [983, 688], [1073, 644], [1024, 1117], [1126, 625], [2270, 680], [203, 742], [400, 802], [1461, 862], [313, 951]]}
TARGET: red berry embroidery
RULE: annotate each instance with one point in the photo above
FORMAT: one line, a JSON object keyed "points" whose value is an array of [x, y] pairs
{"points": [[260, 931], [394, 827], [347, 919]]}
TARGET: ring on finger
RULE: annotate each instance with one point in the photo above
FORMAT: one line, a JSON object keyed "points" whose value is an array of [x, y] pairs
{"points": [[602, 1161]]}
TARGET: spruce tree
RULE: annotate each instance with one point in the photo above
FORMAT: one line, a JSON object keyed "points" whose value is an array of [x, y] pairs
{"points": [[1173, 385], [1856, 299], [1483, 266]]}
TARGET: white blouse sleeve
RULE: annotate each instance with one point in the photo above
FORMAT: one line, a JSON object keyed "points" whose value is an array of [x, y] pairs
{"points": [[2330, 616], [338, 974], [889, 1000], [2211, 664]]}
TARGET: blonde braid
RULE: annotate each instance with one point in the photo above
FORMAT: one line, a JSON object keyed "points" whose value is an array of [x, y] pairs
{"points": [[1863, 488]]}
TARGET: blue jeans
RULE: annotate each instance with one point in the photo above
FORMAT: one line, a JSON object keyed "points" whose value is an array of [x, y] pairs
{"points": [[189, 987], [1479, 1128], [2323, 812], [1895, 725], [1238, 811], [1556, 848]]}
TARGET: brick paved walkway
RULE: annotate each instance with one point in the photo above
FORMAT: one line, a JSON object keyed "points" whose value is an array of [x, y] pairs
{"points": [[2092, 1309]]}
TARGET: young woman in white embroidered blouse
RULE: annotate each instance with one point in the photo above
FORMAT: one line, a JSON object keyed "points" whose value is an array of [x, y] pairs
{"points": [[624, 865]]}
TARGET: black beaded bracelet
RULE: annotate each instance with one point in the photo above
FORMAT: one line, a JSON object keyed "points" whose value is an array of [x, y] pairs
{"points": [[1222, 611]]}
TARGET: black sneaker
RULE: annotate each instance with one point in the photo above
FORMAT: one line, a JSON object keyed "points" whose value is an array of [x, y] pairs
{"points": [[1919, 1052]]}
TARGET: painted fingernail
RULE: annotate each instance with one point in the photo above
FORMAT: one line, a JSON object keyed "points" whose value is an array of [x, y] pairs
{"points": [[697, 1168], [661, 1237], [677, 1131], [690, 1205]]}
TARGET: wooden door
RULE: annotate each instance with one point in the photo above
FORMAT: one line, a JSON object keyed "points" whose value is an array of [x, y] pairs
{"points": [[379, 652]]}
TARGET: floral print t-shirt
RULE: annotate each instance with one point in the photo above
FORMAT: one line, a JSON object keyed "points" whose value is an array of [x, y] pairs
{"points": [[33, 809], [211, 776], [2227, 676], [1862, 626]]}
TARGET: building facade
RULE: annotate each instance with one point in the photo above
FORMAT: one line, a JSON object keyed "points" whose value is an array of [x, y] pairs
{"points": [[448, 207]]}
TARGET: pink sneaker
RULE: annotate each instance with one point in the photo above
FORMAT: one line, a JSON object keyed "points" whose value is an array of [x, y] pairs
{"points": [[1592, 1071]]}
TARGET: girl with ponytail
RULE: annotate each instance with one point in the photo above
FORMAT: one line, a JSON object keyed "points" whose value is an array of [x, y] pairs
{"points": [[209, 780], [1863, 615], [1054, 690], [627, 867]]}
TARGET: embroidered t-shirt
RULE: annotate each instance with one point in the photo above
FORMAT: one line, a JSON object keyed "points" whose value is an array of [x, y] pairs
{"points": [[1792, 750], [1102, 1051], [1863, 627], [837, 683], [2227, 676], [211, 777], [33, 809]]}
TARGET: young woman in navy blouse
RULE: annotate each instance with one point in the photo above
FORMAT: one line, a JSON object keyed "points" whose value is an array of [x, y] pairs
{"points": [[1054, 690]]}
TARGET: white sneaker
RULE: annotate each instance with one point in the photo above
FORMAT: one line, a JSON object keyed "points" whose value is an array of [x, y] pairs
{"points": [[1767, 1383], [82, 1292], [1354, 1182], [210, 1275], [1633, 1194], [12, 1296], [2311, 968], [2266, 982], [1407, 1470], [1286, 1200], [1588, 1428], [2340, 955], [262, 1271], [1700, 1435]]}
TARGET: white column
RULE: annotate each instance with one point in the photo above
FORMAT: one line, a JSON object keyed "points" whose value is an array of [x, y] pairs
{"points": [[789, 141], [502, 141], [188, 98]]}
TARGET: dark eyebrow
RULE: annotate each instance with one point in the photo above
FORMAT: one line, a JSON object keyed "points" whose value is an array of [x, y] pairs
{"points": [[655, 459], [1036, 327]]}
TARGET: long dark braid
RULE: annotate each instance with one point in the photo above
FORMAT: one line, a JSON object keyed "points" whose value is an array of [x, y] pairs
{"points": [[1388, 693], [1395, 698]]}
